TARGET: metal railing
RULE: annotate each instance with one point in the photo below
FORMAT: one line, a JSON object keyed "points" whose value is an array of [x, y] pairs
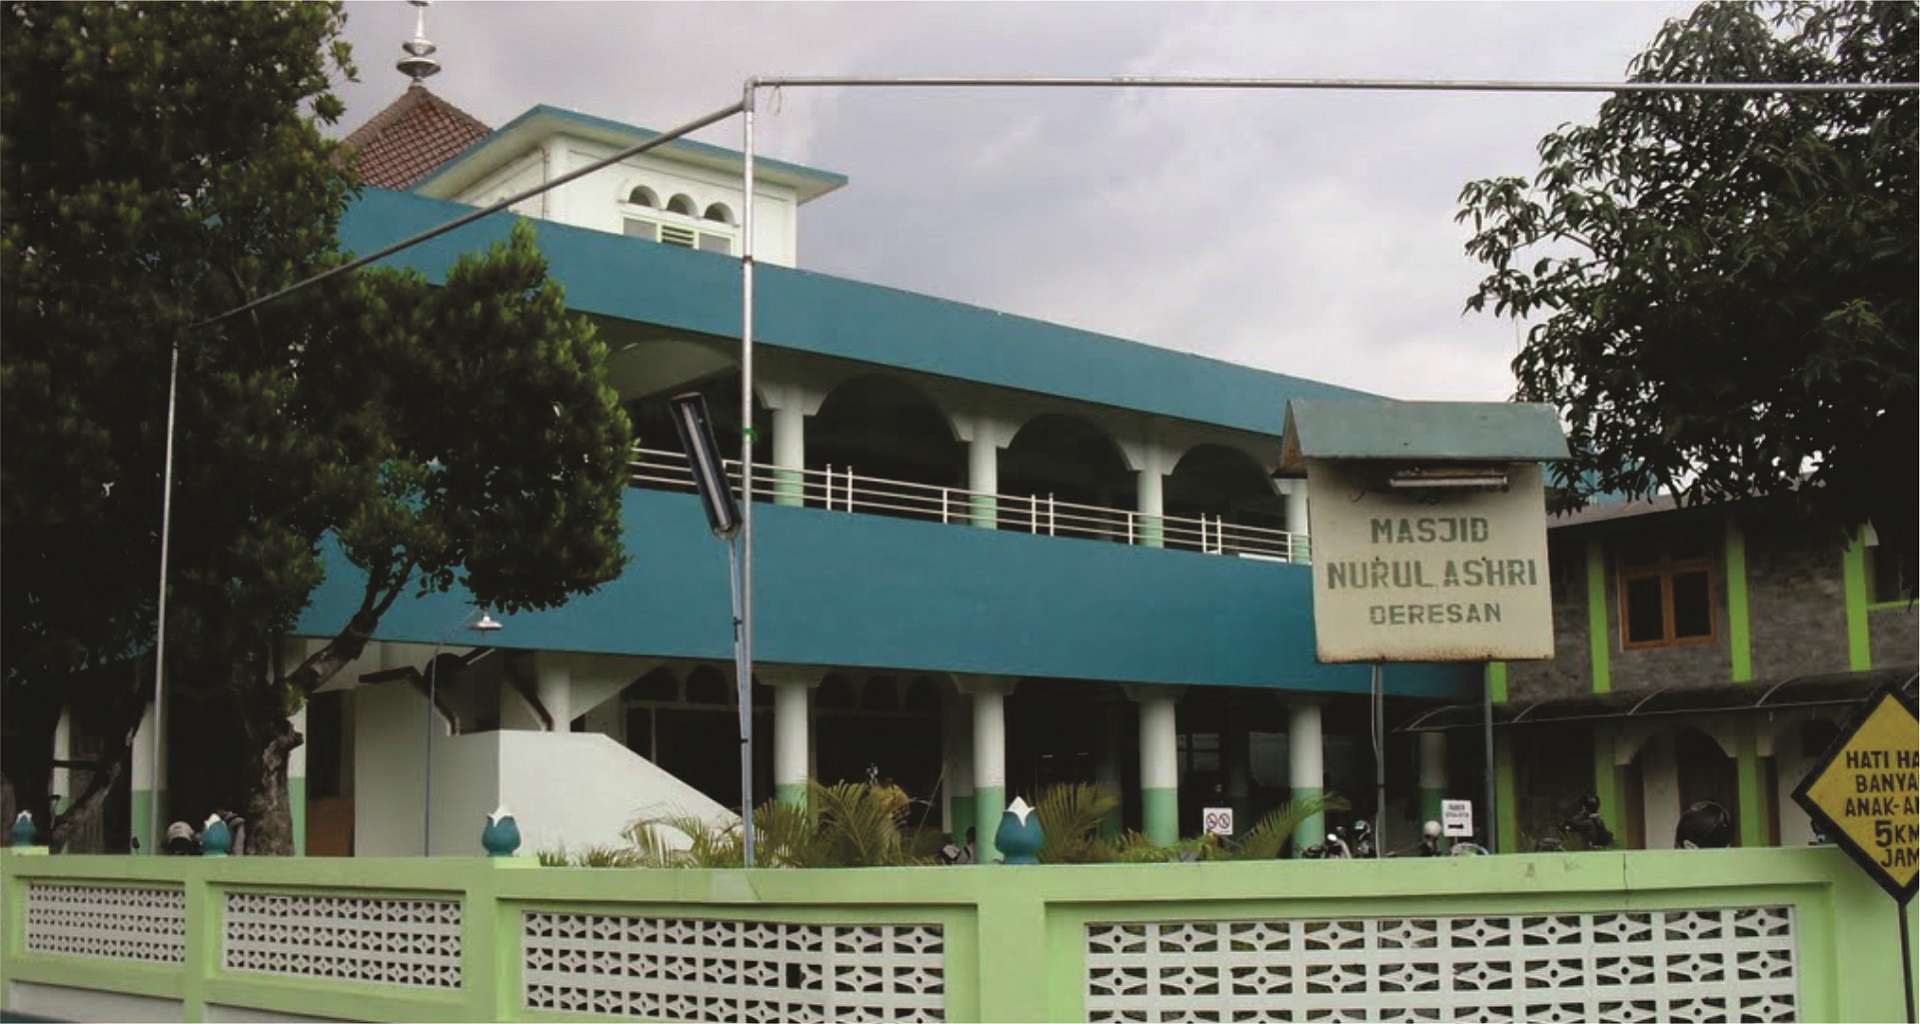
{"points": [[839, 488]]}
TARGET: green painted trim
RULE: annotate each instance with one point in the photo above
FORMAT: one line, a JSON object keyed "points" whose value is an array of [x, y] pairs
{"points": [[1312, 830], [788, 488], [206, 921], [1430, 804], [1606, 780], [1853, 572], [1751, 810], [1506, 817], [989, 803], [297, 810], [1160, 815], [1153, 531], [1497, 681], [1599, 634], [1015, 937], [793, 794], [985, 511], [1013, 952], [1739, 620], [140, 820], [960, 817]]}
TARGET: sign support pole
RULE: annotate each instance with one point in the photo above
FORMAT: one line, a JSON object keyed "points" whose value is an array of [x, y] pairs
{"points": [[1486, 736], [1906, 955]]}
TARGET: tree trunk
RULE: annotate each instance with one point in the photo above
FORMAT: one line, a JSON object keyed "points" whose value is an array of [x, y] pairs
{"points": [[125, 712], [268, 737]]}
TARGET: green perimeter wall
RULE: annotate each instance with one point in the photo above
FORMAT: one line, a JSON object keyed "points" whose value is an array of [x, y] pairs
{"points": [[1013, 936]]}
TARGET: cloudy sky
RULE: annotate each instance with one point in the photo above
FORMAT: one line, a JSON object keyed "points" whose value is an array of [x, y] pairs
{"points": [[1309, 233]]}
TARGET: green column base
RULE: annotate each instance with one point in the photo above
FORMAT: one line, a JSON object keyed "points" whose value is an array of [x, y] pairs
{"points": [[960, 817], [1313, 830], [788, 487], [985, 512], [1430, 805], [793, 794], [989, 803], [1751, 813], [297, 810], [1152, 532], [1160, 815], [1506, 818]]}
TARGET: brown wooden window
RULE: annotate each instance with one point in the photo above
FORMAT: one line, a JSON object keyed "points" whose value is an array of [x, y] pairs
{"points": [[1666, 590]]}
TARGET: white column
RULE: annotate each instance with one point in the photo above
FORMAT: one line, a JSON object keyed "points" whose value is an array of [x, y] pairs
{"points": [[1433, 774], [297, 782], [790, 405], [1306, 769], [989, 695], [1159, 763], [1295, 492], [553, 681], [956, 754], [792, 728], [62, 777], [789, 454], [985, 436], [148, 791], [1149, 488]]}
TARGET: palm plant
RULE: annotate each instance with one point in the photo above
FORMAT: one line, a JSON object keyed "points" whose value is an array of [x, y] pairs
{"points": [[1071, 816]]}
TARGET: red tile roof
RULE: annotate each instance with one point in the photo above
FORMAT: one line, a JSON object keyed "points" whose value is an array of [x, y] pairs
{"points": [[412, 137]]}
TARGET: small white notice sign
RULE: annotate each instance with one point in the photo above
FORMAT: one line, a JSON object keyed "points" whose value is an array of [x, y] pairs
{"points": [[1456, 818], [1217, 821]]}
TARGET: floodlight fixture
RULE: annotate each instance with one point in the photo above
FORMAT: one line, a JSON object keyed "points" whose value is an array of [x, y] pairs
{"points": [[703, 458]]}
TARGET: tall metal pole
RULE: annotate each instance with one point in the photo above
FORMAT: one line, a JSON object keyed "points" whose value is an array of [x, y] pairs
{"points": [[1486, 736], [744, 668], [160, 622], [433, 708], [1379, 729]]}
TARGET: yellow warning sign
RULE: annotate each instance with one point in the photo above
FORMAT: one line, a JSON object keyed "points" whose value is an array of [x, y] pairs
{"points": [[1866, 793]]}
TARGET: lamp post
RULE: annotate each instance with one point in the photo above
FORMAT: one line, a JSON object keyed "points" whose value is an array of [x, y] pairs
{"points": [[484, 624], [726, 519]]}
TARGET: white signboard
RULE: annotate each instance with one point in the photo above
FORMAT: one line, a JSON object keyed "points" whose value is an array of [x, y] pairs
{"points": [[1456, 818], [1428, 574], [1217, 821]]}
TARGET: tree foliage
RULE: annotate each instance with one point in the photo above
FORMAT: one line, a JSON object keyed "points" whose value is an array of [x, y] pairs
{"points": [[164, 163], [1721, 285]]}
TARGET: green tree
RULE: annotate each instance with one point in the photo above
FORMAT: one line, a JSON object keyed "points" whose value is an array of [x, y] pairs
{"points": [[1721, 286], [163, 164]]}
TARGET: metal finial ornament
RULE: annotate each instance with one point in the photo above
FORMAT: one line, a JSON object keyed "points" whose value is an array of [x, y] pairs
{"points": [[418, 64]]}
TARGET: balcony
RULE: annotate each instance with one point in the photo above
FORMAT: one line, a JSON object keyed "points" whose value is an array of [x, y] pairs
{"points": [[841, 489]]}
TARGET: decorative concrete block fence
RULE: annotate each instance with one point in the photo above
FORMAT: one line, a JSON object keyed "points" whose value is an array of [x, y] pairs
{"points": [[1761, 934]]}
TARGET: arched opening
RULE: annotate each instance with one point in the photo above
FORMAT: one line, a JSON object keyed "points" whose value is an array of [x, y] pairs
{"points": [[1228, 490], [718, 212], [1066, 477], [895, 442], [644, 196], [652, 419], [683, 204]]}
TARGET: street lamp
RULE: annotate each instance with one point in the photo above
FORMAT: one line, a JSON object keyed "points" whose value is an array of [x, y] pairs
{"points": [[725, 519], [484, 624]]}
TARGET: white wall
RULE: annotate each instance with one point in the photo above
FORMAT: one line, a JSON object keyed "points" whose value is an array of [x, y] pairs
{"points": [[58, 1002], [389, 724], [568, 789], [595, 200], [576, 789]]}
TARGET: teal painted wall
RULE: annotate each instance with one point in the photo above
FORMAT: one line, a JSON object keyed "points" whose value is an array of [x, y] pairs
{"points": [[695, 291], [868, 591]]}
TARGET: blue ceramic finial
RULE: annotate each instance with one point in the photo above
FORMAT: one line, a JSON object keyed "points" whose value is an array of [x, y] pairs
{"points": [[1019, 836], [502, 835], [216, 840], [23, 830]]}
